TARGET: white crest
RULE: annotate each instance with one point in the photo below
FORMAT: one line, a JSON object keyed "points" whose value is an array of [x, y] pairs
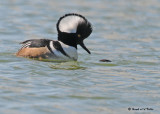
{"points": [[69, 23]]}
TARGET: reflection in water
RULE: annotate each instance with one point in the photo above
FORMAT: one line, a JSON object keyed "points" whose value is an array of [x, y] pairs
{"points": [[67, 66]]}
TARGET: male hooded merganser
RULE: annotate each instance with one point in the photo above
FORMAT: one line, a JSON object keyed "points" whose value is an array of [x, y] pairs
{"points": [[72, 30]]}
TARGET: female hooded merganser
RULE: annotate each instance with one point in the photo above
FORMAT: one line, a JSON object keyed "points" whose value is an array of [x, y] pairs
{"points": [[72, 30]]}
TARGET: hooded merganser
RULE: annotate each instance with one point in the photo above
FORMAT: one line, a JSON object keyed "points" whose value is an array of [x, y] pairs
{"points": [[72, 30]]}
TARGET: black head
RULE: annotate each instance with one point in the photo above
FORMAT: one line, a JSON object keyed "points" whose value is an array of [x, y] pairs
{"points": [[73, 29]]}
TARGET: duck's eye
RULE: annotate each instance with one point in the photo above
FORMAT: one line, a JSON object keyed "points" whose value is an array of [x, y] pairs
{"points": [[79, 35]]}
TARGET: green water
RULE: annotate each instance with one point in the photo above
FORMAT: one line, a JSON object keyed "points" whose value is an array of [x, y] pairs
{"points": [[124, 31]]}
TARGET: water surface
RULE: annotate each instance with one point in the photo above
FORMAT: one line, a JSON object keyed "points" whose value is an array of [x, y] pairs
{"points": [[125, 32]]}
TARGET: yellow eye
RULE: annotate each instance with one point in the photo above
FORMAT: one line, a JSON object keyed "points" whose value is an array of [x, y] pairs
{"points": [[79, 35]]}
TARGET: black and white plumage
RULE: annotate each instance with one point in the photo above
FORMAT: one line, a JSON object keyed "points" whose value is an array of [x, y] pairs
{"points": [[72, 30]]}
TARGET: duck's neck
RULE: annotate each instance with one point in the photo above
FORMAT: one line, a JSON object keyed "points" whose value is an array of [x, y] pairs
{"points": [[68, 39]]}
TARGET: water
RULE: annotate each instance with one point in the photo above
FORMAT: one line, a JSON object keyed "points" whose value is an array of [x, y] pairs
{"points": [[125, 32]]}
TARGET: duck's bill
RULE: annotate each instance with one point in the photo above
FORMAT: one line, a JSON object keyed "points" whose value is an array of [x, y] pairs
{"points": [[84, 47]]}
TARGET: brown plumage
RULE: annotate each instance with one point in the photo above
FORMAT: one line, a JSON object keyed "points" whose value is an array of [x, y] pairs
{"points": [[41, 52]]}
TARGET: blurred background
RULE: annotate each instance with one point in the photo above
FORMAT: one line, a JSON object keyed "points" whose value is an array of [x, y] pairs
{"points": [[124, 31]]}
